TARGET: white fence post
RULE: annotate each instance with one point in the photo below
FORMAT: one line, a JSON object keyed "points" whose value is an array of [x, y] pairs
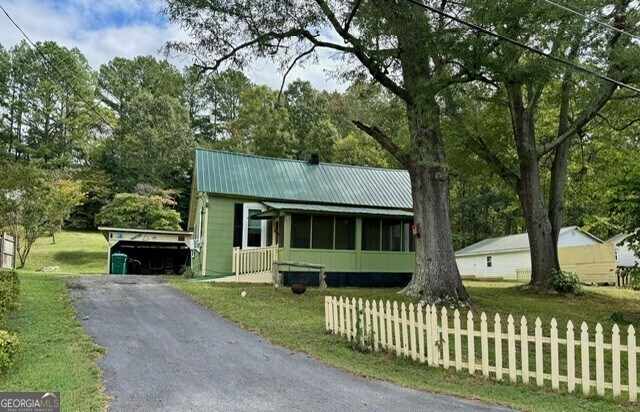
{"points": [[539, 358], [615, 359], [511, 349], [471, 352], [571, 358], [457, 340], [444, 322], [497, 337], [524, 349], [584, 352], [484, 344], [631, 350], [555, 368]]}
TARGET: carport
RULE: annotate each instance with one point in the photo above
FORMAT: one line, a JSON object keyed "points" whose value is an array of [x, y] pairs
{"points": [[149, 252]]}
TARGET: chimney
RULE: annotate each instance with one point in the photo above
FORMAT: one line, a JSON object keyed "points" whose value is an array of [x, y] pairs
{"points": [[314, 159]]}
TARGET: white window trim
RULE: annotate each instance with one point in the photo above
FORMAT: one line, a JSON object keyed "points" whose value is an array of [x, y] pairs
{"points": [[245, 225]]}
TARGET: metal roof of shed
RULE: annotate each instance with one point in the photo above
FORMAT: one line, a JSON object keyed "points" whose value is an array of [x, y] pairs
{"points": [[351, 210], [510, 243], [237, 174]]}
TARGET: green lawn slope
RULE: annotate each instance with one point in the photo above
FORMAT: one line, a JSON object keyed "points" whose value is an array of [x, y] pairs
{"points": [[73, 252]]}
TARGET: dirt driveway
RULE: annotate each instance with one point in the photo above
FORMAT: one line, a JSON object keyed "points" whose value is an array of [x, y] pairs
{"points": [[165, 352]]}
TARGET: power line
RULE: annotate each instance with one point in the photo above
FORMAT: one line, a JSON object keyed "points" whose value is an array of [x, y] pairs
{"points": [[523, 46], [591, 19], [50, 63]]}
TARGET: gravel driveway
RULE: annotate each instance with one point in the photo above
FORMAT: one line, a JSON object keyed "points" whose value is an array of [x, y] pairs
{"points": [[165, 352]]}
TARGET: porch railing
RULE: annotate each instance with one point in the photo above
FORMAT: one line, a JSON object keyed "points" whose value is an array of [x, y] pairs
{"points": [[256, 261]]}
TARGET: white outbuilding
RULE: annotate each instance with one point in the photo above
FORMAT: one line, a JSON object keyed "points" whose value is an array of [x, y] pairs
{"points": [[508, 257], [625, 257]]}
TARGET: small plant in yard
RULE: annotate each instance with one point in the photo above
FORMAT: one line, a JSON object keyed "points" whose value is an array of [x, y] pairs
{"points": [[634, 278], [363, 341], [187, 272], [618, 317], [8, 348], [564, 282]]}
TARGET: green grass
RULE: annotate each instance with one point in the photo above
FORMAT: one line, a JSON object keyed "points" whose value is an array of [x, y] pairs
{"points": [[297, 322], [55, 353], [74, 252]]}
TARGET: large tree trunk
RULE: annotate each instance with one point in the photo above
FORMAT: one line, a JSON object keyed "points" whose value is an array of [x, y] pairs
{"points": [[436, 277], [559, 167], [544, 253]]}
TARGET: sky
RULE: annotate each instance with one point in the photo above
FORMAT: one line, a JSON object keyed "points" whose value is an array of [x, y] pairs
{"points": [[104, 29]]}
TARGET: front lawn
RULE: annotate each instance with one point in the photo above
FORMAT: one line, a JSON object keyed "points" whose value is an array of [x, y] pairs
{"points": [[55, 353], [297, 322]]}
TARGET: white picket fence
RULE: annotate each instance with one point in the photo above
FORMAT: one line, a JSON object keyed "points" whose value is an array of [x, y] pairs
{"points": [[428, 335], [252, 262]]}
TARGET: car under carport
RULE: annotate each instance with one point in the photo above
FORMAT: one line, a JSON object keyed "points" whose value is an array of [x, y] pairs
{"points": [[149, 252]]}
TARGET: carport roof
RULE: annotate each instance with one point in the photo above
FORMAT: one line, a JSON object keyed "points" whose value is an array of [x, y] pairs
{"points": [[105, 231]]}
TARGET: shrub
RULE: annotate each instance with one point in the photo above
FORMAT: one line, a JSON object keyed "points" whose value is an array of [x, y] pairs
{"points": [[634, 278], [9, 293], [187, 272], [564, 282], [9, 345]]}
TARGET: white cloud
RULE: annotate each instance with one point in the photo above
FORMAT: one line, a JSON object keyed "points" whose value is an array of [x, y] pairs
{"points": [[91, 27]]}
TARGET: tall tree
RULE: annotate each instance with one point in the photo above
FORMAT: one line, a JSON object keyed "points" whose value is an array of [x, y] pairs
{"points": [[409, 51], [121, 80], [310, 123], [48, 114], [548, 105], [214, 101], [263, 126]]}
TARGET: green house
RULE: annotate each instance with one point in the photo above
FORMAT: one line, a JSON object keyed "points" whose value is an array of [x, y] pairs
{"points": [[248, 211]]}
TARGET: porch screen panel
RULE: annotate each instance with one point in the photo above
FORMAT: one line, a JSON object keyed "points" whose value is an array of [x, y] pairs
{"points": [[322, 233], [370, 234], [345, 233], [409, 243], [281, 231], [391, 235], [300, 231]]}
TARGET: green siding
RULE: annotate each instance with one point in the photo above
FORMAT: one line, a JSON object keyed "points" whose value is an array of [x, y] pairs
{"points": [[219, 235], [334, 260], [386, 261]]}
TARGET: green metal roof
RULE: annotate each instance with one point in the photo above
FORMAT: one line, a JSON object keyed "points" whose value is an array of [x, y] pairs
{"points": [[351, 210], [298, 181]]}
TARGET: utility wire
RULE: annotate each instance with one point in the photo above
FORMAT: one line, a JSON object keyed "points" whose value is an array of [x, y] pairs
{"points": [[50, 63], [591, 19], [523, 45]]}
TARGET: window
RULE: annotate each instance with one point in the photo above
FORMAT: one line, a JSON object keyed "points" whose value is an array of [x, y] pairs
{"points": [[409, 239], [237, 224], [254, 229], [391, 235], [370, 234], [300, 231], [322, 233], [345, 233], [489, 263]]}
